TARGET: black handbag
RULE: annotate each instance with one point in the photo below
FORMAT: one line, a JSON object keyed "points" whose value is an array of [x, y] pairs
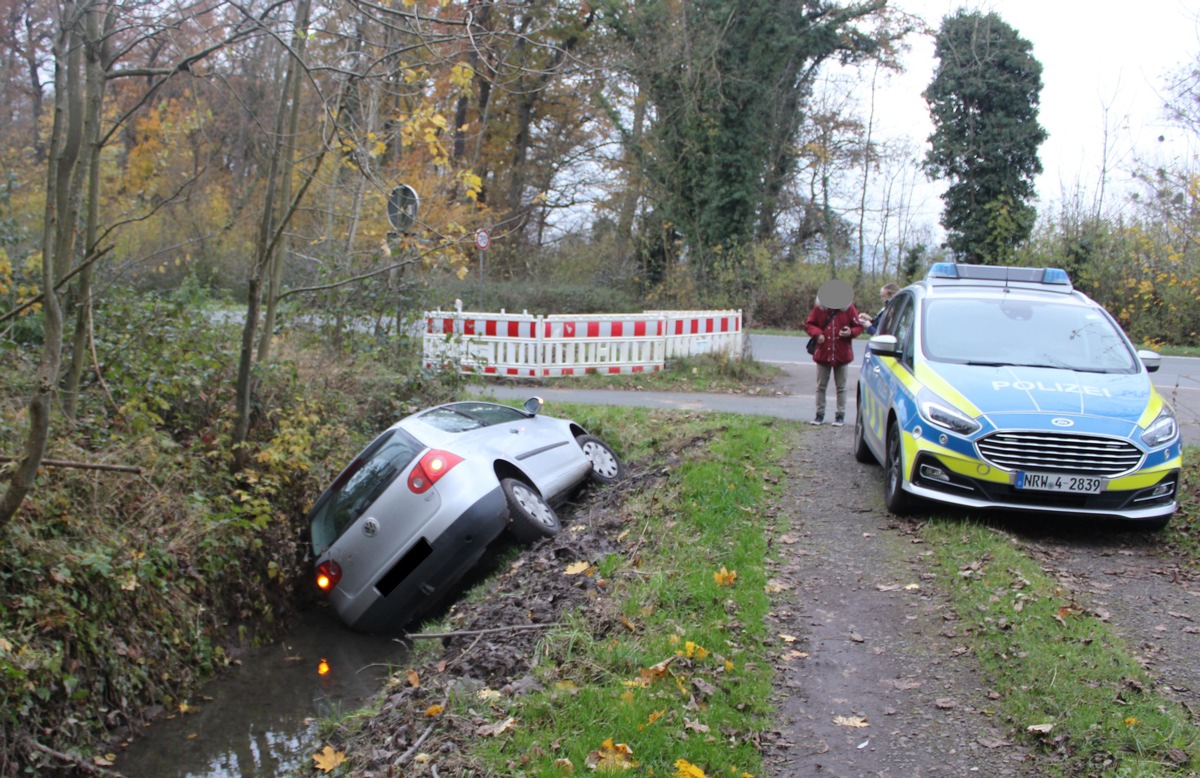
{"points": [[812, 342]]}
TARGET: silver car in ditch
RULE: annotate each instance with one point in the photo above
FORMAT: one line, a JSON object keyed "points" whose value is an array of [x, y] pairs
{"points": [[418, 507]]}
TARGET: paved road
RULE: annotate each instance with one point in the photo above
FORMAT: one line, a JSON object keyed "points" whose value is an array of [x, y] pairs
{"points": [[1178, 379]]}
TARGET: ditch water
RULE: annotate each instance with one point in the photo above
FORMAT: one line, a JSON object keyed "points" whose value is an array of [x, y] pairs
{"points": [[260, 719]]}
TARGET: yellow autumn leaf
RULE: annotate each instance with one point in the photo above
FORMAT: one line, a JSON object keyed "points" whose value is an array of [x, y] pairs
{"points": [[434, 710], [685, 769], [327, 759], [576, 568], [414, 680], [725, 577], [612, 756], [850, 721]]}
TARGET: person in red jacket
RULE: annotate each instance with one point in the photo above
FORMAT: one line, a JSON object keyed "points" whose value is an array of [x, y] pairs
{"points": [[833, 326]]}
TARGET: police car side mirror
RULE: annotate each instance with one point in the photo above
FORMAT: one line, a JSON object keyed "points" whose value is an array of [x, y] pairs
{"points": [[883, 344], [1151, 359]]}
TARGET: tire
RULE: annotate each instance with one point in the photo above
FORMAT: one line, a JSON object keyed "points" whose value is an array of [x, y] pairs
{"points": [[862, 452], [898, 501], [606, 467], [530, 517]]}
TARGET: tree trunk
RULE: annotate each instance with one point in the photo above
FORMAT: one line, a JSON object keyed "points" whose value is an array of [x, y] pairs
{"points": [[58, 248], [95, 70], [633, 191], [289, 107]]}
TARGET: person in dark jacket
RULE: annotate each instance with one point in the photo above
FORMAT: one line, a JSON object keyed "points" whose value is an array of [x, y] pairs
{"points": [[871, 323], [834, 330]]}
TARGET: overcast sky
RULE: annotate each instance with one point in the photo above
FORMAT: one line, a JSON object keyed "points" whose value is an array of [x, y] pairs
{"points": [[1096, 55]]}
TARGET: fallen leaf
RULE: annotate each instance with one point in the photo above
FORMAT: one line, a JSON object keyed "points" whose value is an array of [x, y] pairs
{"points": [[944, 703], [725, 577], [487, 695], [685, 769], [611, 756], [414, 680], [328, 759], [850, 721], [565, 766], [576, 568], [695, 726], [857, 638], [1042, 728], [787, 638], [497, 728], [790, 655], [434, 710]]}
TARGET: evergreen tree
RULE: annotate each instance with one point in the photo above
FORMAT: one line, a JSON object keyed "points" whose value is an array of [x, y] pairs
{"points": [[729, 83], [984, 103]]}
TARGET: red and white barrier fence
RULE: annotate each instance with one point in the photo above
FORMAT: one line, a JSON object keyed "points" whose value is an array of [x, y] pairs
{"points": [[521, 345]]}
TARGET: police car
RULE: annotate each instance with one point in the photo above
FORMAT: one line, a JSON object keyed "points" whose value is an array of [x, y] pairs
{"points": [[1004, 387]]}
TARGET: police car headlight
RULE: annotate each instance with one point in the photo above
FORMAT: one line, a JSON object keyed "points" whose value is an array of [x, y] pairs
{"points": [[939, 413], [1163, 430]]}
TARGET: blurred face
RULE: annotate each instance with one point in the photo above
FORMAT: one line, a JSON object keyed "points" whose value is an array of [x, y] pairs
{"points": [[885, 295]]}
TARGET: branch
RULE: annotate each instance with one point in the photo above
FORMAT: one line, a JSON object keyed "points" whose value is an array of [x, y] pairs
{"points": [[461, 633], [78, 762], [37, 299], [80, 465]]}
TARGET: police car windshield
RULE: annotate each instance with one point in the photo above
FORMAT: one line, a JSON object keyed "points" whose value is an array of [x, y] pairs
{"points": [[1037, 333]]}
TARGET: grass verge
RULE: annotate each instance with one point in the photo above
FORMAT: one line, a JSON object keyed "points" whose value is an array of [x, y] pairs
{"points": [[678, 681], [1062, 675], [665, 668]]}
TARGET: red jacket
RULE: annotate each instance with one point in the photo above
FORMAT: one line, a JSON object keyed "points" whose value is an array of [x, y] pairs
{"points": [[835, 350]]}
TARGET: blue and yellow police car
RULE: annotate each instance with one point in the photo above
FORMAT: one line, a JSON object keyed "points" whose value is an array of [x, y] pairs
{"points": [[1005, 387]]}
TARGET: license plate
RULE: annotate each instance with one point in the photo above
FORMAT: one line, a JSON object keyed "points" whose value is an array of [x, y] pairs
{"points": [[1059, 482]]}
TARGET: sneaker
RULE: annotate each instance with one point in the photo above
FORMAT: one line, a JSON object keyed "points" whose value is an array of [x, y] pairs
{"points": [[839, 420], [819, 420]]}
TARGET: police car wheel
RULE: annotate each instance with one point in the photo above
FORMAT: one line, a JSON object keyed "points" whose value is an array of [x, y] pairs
{"points": [[861, 452], [898, 501]]}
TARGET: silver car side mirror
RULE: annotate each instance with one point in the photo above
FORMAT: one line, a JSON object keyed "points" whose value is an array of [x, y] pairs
{"points": [[533, 405]]}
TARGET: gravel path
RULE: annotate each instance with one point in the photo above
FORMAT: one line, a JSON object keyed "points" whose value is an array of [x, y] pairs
{"points": [[873, 679]]}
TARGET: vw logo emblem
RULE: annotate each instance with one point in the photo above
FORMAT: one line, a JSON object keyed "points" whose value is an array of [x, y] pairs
{"points": [[1062, 422], [370, 527]]}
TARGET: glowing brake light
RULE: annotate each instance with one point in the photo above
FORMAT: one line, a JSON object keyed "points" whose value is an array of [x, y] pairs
{"points": [[328, 575], [432, 466]]}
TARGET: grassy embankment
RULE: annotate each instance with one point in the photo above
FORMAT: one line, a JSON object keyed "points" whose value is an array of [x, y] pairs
{"points": [[1059, 669]]}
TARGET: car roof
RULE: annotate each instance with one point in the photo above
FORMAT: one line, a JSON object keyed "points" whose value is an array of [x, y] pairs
{"points": [[953, 280]]}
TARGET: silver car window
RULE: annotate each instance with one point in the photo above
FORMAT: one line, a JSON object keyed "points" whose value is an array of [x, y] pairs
{"points": [[1037, 333], [460, 417], [360, 484]]}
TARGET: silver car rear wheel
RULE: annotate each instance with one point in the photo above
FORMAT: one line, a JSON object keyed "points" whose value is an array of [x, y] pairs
{"points": [[531, 517], [606, 467]]}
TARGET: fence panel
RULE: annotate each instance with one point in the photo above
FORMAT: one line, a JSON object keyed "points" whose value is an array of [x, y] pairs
{"points": [[565, 345]]}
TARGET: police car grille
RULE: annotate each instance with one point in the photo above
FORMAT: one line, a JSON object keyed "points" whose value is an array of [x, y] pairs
{"points": [[1059, 453]]}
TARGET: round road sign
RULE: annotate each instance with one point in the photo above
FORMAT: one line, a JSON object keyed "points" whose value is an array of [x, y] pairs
{"points": [[482, 239]]}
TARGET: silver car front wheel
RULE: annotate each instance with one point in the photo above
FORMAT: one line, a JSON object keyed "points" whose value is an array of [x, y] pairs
{"points": [[531, 517], [606, 467]]}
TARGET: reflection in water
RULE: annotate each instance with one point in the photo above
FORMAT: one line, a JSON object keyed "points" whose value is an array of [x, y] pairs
{"points": [[260, 719]]}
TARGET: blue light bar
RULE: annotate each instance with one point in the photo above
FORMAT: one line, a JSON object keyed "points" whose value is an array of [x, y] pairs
{"points": [[953, 271]]}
